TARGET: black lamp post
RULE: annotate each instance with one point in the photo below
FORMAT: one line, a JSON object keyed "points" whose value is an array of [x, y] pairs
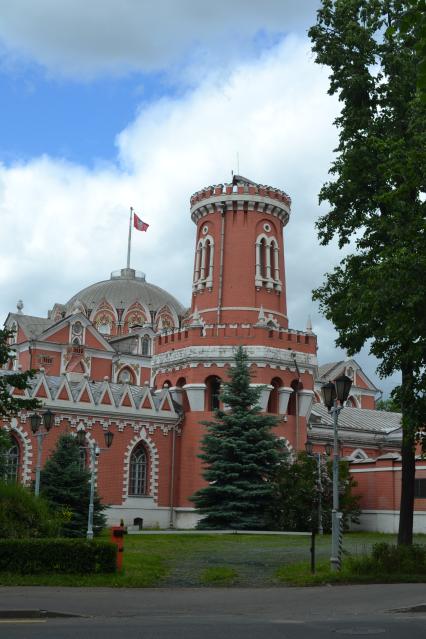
{"points": [[94, 452], [332, 394], [36, 420]]}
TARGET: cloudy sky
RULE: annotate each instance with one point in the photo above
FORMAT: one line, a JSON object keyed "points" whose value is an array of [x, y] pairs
{"points": [[112, 103]]}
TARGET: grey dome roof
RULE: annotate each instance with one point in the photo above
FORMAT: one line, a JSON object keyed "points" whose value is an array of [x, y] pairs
{"points": [[123, 289]]}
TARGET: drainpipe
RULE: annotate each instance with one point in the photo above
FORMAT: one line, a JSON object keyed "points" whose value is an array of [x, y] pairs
{"points": [[172, 478], [222, 241]]}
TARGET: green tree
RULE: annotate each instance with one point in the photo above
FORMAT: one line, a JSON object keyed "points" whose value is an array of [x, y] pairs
{"points": [[377, 293], [64, 483], [297, 486], [240, 454], [390, 405], [23, 515], [11, 405]]}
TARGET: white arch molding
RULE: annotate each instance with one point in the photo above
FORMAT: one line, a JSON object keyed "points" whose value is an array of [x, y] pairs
{"points": [[142, 437], [269, 275]]}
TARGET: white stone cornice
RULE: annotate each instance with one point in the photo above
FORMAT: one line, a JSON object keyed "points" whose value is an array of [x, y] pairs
{"points": [[262, 356], [278, 209]]}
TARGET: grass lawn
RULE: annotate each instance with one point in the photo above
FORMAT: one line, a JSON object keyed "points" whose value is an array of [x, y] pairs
{"points": [[197, 560]]}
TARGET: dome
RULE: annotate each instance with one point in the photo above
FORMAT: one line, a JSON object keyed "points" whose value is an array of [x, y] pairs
{"points": [[126, 293]]}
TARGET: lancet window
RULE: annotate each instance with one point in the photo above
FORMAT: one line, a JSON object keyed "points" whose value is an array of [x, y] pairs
{"points": [[138, 472], [267, 263], [204, 257], [11, 466]]}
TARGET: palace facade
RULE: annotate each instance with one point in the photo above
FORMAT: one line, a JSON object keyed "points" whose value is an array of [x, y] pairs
{"points": [[125, 356]]}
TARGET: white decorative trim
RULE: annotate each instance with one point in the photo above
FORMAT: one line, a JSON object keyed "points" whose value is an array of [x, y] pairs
{"points": [[262, 356], [26, 450], [153, 465], [274, 207]]}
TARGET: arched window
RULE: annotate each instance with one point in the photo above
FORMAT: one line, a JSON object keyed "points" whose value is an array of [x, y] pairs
{"points": [[213, 392], [11, 467], [296, 385], [125, 376], [207, 258], [273, 403], [262, 257], [145, 346], [138, 472], [82, 451]]}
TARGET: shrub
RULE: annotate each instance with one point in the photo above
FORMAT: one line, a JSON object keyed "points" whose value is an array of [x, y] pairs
{"points": [[389, 559], [23, 515], [41, 556]]}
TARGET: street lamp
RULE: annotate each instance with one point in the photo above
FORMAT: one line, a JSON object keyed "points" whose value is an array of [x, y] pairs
{"points": [[309, 447], [335, 395], [36, 420], [94, 452]]}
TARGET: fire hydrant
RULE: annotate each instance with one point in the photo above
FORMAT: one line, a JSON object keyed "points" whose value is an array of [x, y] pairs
{"points": [[117, 538]]}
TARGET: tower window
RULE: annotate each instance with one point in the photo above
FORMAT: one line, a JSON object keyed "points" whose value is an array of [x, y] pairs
{"points": [[213, 392]]}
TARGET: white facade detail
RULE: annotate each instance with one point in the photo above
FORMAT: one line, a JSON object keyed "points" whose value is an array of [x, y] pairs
{"points": [[196, 396]]}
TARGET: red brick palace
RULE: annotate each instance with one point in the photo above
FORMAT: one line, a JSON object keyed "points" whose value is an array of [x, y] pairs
{"points": [[125, 356]]}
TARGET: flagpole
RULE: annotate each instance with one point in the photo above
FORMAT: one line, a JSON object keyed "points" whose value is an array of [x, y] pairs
{"points": [[130, 237]]}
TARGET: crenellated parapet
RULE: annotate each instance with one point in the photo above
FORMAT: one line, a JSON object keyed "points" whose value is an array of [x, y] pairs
{"points": [[240, 194]]}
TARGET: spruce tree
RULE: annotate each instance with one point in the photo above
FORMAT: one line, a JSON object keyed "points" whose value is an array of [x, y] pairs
{"points": [[240, 454], [65, 485]]}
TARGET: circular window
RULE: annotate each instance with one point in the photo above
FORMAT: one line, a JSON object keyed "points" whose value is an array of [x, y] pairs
{"points": [[205, 230], [77, 328], [267, 227]]}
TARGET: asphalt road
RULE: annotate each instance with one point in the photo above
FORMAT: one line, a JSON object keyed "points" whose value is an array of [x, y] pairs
{"points": [[285, 613]]}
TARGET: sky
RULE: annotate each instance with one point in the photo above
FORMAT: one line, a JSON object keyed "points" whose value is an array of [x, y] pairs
{"points": [[109, 104]]}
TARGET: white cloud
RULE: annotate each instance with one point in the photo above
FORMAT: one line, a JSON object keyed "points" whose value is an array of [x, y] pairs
{"points": [[65, 226], [82, 39]]}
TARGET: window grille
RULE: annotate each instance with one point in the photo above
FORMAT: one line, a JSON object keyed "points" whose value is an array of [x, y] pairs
{"points": [[12, 464], [138, 472]]}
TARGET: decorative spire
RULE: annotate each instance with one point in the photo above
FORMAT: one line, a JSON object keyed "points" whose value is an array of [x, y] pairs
{"points": [[309, 325], [20, 306], [261, 320]]}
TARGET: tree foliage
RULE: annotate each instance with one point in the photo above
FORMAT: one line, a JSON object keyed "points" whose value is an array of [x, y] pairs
{"points": [[376, 198], [240, 454], [64, 483], [23, 515], [11, 405], [298, 485]]}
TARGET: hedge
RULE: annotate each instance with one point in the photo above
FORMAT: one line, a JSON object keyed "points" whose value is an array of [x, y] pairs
{"points": [[41, 556]]}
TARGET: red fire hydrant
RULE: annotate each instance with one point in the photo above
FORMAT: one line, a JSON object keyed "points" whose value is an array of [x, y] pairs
{"points": [[117, 538]]}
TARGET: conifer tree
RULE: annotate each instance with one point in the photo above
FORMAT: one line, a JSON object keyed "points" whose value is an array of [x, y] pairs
{"points": [[240, 454], [64, 483]]}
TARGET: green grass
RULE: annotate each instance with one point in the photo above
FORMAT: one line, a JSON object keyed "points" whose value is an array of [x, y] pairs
{"points": [[194, 560], [219, 576]]}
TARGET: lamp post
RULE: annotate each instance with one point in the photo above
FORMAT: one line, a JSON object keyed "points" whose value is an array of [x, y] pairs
{"points": [[309, 447], [335, 395], [36, 420], [94, 452]]}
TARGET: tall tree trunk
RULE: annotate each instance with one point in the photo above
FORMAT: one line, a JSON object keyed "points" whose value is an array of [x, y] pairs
{"points": [[405, 532]]}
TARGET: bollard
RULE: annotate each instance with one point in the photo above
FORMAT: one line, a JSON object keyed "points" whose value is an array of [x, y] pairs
{"points": [[117, 538]]}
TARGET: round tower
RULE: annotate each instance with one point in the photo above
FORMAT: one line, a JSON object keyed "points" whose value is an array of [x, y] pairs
{"points": [[239, 240]]}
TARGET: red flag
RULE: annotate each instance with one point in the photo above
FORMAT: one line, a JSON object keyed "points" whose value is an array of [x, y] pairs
{"points": [[139, 224]]}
